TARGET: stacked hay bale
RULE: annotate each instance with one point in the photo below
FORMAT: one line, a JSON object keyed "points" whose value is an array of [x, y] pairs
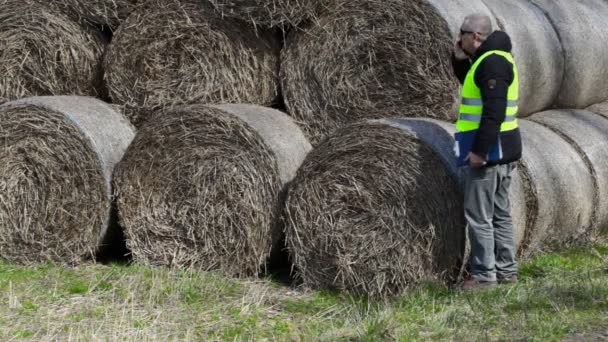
{"points": [[180, 52], [56, 159], [557, 210], [376, 208], [359, 59], [537, 52], [364, 60], [587, 133], [585, 74], [200, 186], [45, 53]]}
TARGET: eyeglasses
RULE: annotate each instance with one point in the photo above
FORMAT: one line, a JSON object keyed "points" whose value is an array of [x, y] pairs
{"points": [[463, 32]]}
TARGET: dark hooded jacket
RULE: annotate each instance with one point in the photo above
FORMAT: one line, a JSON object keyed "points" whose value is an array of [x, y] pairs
{"points": [[494, 76]]}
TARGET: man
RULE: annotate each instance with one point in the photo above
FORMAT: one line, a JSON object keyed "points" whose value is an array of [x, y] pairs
{"points": [[484, 65]]}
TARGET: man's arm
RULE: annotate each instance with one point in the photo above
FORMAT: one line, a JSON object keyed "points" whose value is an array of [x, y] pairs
{"points": [[461, 67], [493, 76]]}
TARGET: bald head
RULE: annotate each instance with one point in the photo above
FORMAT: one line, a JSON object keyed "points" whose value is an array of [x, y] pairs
{"points": [[479, 23]]}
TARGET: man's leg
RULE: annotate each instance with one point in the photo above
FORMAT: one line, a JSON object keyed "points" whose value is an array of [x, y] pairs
{"points": [[480, 186], [504, 236]]}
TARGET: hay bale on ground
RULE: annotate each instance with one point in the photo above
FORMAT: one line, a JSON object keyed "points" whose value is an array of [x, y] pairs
{"points": [[56, 159], [537, 52], [45, 53], [558, 209], [200, 186], [171, 52], [108, 13], [588, 134], [374, 209], [585, 74], [270, 12], [363, 60]]}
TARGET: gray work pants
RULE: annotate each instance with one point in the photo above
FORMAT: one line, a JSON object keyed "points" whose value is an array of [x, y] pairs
{"points": [[488, 215]]}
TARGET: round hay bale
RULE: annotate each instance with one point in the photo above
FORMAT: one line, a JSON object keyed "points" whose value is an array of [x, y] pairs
{"points": [[270, 12], [537, 52], [588, 134], [172, 52], [365, 60], [43, 52], [439, 135], [200, 186], [108, 13], [56, 160], [374, 209], [585, 74], [559, 210]]}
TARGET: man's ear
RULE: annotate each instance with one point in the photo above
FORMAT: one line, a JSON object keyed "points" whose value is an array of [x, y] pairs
{"points": [[477, 36]]}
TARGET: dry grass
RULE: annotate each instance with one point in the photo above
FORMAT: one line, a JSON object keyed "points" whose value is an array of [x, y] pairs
{"points": [[374, 211], [198, 187], [270, 12], [182, 52], [45, 53], [110, 13], [368, 59], [53, 197]]}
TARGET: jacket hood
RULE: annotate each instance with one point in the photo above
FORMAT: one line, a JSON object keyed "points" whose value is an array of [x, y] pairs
{"points": [[497, 40]]}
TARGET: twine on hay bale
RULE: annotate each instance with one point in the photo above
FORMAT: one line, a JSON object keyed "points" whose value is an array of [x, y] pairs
{"points": [[374, 209], [200, 186], [182, 52], [56, 160], [588, 134], [599, 108], [558, 210], [585, 74], [45, 53], [363, 59]]}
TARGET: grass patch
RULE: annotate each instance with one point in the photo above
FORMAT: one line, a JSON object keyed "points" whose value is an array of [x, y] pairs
{"points": [[559, 294]]}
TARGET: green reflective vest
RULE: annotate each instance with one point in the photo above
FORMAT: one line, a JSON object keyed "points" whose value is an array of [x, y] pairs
{"points": [[471, 104]]}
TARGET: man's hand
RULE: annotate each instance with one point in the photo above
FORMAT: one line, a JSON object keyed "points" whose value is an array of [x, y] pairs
{"points": [[459, 52], [476, 161]]}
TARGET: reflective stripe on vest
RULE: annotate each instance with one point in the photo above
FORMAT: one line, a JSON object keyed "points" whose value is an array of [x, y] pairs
{"points": [[471, 105]]}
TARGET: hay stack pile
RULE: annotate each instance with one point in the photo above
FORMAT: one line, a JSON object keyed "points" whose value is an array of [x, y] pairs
{"points": [[181, 52], [56, 159], [375, 209], [200, 186], [361, 59], [43, 52]]}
